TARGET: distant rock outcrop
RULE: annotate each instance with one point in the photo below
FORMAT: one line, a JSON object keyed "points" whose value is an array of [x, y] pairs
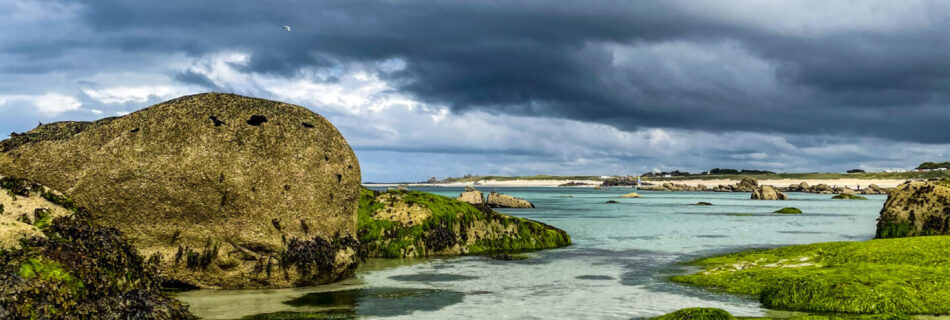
{"points": [[918, 208], [501, 200], [873, 189], [224, 191], [471, 196], [768, 193], [399, 224]]}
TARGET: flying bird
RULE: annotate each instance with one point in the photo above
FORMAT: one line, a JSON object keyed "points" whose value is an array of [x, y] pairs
{"points": [[287, 28]]}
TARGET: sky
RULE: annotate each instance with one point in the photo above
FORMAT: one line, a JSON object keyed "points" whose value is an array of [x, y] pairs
{"points": [[446, 88]]}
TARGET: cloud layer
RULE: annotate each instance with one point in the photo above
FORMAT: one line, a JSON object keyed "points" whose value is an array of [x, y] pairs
{"points": [[450, 87]]}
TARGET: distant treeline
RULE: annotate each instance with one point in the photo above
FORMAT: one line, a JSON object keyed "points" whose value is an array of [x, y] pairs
{"points": [[934, 165]]}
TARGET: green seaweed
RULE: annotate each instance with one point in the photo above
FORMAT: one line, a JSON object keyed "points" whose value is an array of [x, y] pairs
{"points": [[697, 314], [848, 196], [388, 239], [894, 230], [888, 276], [788, 210]]}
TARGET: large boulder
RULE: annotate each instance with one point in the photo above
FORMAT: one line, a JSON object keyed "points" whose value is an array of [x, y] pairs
{"points": [[916, 208], [873, 189], [226, 191], [768, 193], [471, 196], [56, 264], [746, 185], [501, 200], [403, 224]]}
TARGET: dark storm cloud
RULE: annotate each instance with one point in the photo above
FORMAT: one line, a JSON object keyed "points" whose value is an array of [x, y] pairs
{"points": [[568, 59]]}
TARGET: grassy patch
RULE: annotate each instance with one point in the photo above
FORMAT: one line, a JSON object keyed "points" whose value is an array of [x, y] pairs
{"points": [[888, 276], [788, 210], [848, 196], [697, 314]]}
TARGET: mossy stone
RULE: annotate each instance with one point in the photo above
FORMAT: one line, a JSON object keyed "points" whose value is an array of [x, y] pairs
{"points": [[848, 196], [788, 210], [697, 314], [214, 170]]}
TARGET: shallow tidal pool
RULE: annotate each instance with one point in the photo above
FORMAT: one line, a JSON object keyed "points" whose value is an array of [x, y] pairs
{"points": [[617, 267]]}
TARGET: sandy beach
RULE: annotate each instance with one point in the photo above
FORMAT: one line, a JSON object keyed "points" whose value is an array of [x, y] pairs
{"points": [[851, 183]]}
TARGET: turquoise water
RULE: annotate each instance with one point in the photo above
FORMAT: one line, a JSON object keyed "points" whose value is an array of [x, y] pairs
{"points": [[616, 269]]}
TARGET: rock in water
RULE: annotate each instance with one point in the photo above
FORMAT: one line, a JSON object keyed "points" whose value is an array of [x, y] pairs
{"points": [[471, 196], [916, 208], [230, 191], [400, 224], [631, 195], [501, 200], [768, 193]]}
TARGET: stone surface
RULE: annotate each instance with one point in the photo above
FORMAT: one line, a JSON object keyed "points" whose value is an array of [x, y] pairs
{"points": [[501, 200], [471, 196], [631, 195], [247, 185], [768, 193], [917, 208]]}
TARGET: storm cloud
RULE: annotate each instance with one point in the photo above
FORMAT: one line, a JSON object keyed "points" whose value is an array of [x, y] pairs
{"points": [[817, 76]]}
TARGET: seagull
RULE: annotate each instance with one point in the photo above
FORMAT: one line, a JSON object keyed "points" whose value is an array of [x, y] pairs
{"points": [[287, 28]]}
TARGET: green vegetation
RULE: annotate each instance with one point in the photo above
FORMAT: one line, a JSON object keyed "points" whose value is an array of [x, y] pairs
{"points": [[451, 223], [715, 313], [934, 165], [894, 230], [697, 314], [788, 210], [848, 196], [888, 276]]}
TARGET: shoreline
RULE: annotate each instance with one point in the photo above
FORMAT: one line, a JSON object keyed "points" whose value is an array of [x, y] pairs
{"points": [[851, 183]]}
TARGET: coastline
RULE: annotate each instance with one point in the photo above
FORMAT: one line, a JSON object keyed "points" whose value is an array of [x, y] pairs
{"points": [[851, 183]]}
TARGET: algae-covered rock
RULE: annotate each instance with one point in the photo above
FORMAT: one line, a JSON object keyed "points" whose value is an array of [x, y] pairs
{"points": [[768, 193], [788, 210], [916, 208], [398, 224], [501, 200], [697, 314], [65, 267], [848, 196], [229, 191]]}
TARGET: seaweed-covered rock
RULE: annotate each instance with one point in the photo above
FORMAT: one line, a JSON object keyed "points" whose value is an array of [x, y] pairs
{"points": [[501, 200], [214, 185], [65, 267], [848, 196], [398, 224], [916, 208], [697, 314], [768, 193]]}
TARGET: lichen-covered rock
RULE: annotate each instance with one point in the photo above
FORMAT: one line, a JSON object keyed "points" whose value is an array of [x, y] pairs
{"points": [[399, 224], [917, 208], [501, 200], [65, 267], [768, 193], [471, 196], [227, 191]]}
